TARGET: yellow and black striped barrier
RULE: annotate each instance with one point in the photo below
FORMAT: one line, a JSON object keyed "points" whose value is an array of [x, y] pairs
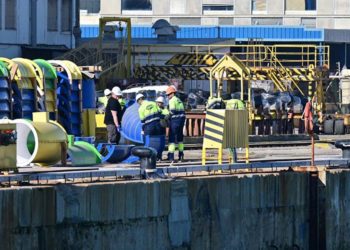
{"points": [[192, 59], [214, 128], [225, 129]]}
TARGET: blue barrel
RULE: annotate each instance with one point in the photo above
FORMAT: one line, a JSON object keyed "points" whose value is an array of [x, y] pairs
{"points": [[69, 104], [4, 109], [131, 124], [4, 95], [28, 94], [5, 101], [89, 94], [3, 83]]}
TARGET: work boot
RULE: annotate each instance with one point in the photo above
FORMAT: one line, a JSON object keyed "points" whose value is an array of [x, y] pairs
{"points": [[181, 156], [171, 157]]}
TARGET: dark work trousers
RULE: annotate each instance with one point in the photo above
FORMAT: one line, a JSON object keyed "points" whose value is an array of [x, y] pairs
{"points": [[267, 125], [113, 134], [176, 130], [153, 128]]}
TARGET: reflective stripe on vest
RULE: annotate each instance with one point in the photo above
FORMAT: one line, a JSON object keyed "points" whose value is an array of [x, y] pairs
{"points": [[149, 112], [176, 108]]}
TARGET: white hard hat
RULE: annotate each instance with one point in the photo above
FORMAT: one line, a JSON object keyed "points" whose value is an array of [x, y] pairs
{"points": [[117, 91], [160, 99], [107, 92], [138, 96]]}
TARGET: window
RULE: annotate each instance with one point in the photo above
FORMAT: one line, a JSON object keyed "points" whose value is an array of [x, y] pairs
{"points": [[92, 6], [136, 4], [212, 7], [66, 15], [259, 5], [10, 14], [52, 23], [300, 5]]}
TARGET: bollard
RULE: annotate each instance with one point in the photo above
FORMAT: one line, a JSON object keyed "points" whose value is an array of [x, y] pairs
{"points": [[345, 147], [148, 160]]}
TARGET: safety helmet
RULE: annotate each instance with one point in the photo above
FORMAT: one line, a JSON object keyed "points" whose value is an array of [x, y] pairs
{"points": [[170, 90], [107, 92], [160, 99], [117, 91], [138, 96]]}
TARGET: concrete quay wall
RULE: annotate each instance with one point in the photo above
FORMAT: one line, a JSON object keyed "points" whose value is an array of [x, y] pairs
{"points": [[337, 210], [258, 211]]}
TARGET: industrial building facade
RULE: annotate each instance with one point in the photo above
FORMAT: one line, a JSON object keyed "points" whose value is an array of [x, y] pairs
{"points": [[33, 26], [269, 21], [327, 14]]}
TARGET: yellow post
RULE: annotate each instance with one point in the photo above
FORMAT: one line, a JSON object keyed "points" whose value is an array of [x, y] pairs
{"points": [[247, 155], [203, 155], [220, 155], [242, 88], [211, 83]]}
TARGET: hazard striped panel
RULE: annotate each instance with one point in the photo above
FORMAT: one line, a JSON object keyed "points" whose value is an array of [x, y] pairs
{"points": [[192, 59], [301, 74], [164, 73], [233, 75], [214, 128]]}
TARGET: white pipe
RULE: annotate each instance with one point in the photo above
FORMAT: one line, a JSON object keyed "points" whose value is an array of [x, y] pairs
{"points": [[24, 129]]}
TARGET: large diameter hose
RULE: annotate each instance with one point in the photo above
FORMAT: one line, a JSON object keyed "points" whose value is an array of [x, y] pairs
{"points": [[38, 142]]}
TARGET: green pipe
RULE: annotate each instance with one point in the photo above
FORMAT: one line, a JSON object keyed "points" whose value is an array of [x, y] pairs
{"points": [[83, 154]]}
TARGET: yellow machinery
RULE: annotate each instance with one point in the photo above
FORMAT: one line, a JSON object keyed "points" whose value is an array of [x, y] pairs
{"points": [[103, 21], [114, 57], [290, 67]]}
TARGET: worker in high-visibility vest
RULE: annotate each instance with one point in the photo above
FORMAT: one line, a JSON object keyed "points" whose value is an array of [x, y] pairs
{"points": [[164, 121], [235, 104], [104, 99], [160, 102], [150, 115], [177, 121]]}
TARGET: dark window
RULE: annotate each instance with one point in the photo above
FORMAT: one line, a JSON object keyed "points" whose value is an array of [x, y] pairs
{"points": [[300, 5], [10, 14], [92, 6], [136, 4], [52, 23], [66, 15], [310, 4], [208, 7]]}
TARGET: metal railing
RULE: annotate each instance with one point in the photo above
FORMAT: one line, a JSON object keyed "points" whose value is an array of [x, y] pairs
{"points": [[252, 55]]}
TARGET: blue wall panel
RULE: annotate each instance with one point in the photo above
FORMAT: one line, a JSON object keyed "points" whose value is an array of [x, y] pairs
{"points": [[240, 33]]}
